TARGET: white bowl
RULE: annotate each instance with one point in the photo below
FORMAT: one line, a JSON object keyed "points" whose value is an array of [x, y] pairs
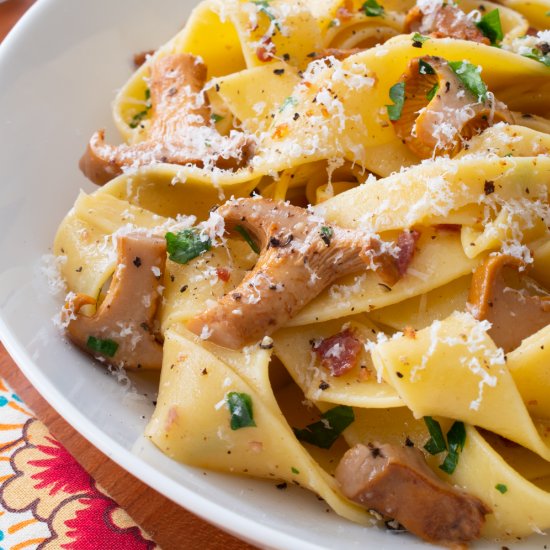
{"points": [[59, 71]]}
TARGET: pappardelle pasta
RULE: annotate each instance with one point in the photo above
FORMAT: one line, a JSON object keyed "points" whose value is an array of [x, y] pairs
{"points": [[328, 228]]}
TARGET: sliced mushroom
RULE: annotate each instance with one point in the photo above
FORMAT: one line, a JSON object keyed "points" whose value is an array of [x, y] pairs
{"points": [[397, 483], [504, 296], [445, 20], [300, 256], [180, 131], [439, 112], [121, 331]]}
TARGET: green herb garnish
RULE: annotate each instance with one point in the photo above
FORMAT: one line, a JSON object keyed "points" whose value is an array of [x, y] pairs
{"points": [[216, 118], [265, 8], [289, 101], [397, 95], [431, 94], [436, 444], [419, 39], [185, 245], [537, 55], [240, 408], [326, 234], [138, 117], [491, 27], [501, 488], [372, 8], [294, 470], [104, 347], [456, 438], [469, 75], [425, 68], [246, 236], [324, 433]]}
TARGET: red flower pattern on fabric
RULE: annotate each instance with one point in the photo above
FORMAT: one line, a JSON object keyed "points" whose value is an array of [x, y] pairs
{"points": [[62, 472]]}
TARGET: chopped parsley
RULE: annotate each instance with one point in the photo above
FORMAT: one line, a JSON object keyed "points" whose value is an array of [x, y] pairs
{"points": [[326, 234], [216, 118], [501, 488], [539, 56], [372, 8], [418, 39], [294, 470], [264, 7], [104, 347], [432, 92], [491, 27], [246, 236], [425, 68], [186, 245], [397, 95], [436, 444], [324, 433], [138, 117], [456, 438], [469, 75], [240, 409], [289, 101]]}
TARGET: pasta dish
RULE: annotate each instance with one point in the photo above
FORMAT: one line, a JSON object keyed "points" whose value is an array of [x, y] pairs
{"points": [[327, 226]]}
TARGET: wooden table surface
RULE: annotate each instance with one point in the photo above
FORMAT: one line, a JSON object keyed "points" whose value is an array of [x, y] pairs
{"points": [[172, 527]]}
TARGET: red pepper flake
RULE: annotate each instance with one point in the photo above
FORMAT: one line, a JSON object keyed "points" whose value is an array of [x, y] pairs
{"points": [[339, 353], [223, 274], [281, 131], [266, 51]]}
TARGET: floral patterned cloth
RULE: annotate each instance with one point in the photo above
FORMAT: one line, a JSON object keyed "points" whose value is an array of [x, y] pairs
{"points": [[47, 500]]}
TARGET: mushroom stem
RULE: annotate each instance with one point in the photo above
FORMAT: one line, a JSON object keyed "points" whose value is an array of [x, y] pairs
{"points": [[120, 333], [300, 256]]}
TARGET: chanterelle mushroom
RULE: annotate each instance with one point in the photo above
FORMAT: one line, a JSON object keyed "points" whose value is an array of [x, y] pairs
{"points": [[504, 296], [181, 130], [300, 256], [439, 111], [441, 20], [397, 483], [120, 332]]}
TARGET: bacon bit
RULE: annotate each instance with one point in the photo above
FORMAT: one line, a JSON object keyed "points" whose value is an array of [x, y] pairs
{"points": [[339, 353], [345, 11], [281, 131], [171, 418], [409, 332], [141, 57], [407, 245], [223, 274], [266, 51]]}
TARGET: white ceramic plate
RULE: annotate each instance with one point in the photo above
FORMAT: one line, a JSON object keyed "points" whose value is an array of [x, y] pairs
{"points": [[59, 70]]}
